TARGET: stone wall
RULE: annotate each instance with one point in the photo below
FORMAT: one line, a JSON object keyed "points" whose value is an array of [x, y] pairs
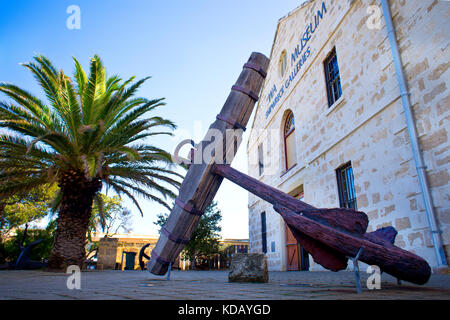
{"points": [[365, 126], [111, 249], [107, 251], [133, 245]]}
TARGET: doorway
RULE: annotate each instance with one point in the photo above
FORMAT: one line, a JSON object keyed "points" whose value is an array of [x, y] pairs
{"points": [[297, 257]]}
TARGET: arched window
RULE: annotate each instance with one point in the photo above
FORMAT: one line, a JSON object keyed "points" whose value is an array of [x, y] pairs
{"points": [[283, 63], [289, 141]]}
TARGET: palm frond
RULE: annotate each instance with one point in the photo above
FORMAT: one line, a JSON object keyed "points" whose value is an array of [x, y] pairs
{"points": [[92, 127]]}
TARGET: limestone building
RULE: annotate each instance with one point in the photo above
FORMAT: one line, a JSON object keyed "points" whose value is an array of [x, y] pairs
{"points": [[330, 125], [113, 250]]}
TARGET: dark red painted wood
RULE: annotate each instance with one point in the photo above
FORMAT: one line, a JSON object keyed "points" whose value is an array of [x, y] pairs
{"points": [[332, 235], [397, 262]]}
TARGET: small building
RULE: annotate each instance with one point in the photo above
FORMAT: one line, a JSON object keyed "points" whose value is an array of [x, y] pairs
{"points": [[112, 251], [330, 125]]}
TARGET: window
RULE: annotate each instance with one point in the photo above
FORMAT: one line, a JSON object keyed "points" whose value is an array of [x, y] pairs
{"points": [[346, 187], [333, 80], [290, 152], [241, 249], [263, 232], [283, 63], [260, 159]]}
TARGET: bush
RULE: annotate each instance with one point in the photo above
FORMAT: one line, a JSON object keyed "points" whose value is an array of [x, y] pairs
{"points": [[10, 250]]}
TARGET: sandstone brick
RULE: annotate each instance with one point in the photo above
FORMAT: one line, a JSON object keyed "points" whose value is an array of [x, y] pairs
{"points": [[434, 140], [388, 196], [439, 179], [443, 161], [440, 69], [373, 214], [314, 148], [375, 198], [413, 204], [362, 201], [399, 242], [421, 85], [418, 69], [427, 98], [416, 237], [444, 216], [443, 106], [402, 171], [427, 238], [402, 223], [389, 209]]}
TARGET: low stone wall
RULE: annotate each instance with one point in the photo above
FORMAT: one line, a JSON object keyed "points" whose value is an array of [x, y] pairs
{"points": [[107, 251]]}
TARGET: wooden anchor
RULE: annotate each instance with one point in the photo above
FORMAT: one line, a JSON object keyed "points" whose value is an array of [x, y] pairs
{"points": [[329, 235], [332, 235], [200, 185]]}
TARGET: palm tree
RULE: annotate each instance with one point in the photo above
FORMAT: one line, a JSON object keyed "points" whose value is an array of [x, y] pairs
{"points": [[91, 134]]}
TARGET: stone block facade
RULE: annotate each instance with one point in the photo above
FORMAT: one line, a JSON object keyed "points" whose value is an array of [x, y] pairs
{"points": [[111, 249], [365, 126], [107, 251]]}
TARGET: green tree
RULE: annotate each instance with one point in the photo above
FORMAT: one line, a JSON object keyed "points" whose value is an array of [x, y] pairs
{"points": [[92, 133], [205, 238], [22, 208], [109, 218], [36, 205], [11, 249]]}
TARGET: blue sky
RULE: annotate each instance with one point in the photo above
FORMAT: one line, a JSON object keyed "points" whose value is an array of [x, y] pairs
{"points": [[194, 50]]}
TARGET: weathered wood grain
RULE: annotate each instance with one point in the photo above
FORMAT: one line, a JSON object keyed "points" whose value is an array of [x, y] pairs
{"points": [[332, 235], [344, 219], [347, 220], [199, 185], [397, 262]]}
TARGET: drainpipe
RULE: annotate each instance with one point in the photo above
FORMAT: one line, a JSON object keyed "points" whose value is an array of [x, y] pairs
{"points": [[420, 166]]}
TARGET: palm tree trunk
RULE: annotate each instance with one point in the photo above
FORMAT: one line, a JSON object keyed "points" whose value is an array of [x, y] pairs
{"points": [[2, 217], [72, 223]]}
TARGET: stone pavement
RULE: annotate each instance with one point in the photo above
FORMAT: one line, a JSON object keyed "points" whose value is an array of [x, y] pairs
{"points": [[200, 285]]}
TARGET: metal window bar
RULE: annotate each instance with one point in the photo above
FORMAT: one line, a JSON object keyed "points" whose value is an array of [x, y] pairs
{"points": [[351, 185], [346, 187], [289, 128], [333, 80], [263, 232]]}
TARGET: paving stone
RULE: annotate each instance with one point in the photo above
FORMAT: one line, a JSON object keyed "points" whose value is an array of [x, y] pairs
{"points": [[211, 285]]}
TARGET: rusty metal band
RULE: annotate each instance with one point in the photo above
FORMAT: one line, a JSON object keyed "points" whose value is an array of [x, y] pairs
{"points": [[171, 237], [159, 259], [256, 68], [230, 122], [250, 93], [187, 207]]}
